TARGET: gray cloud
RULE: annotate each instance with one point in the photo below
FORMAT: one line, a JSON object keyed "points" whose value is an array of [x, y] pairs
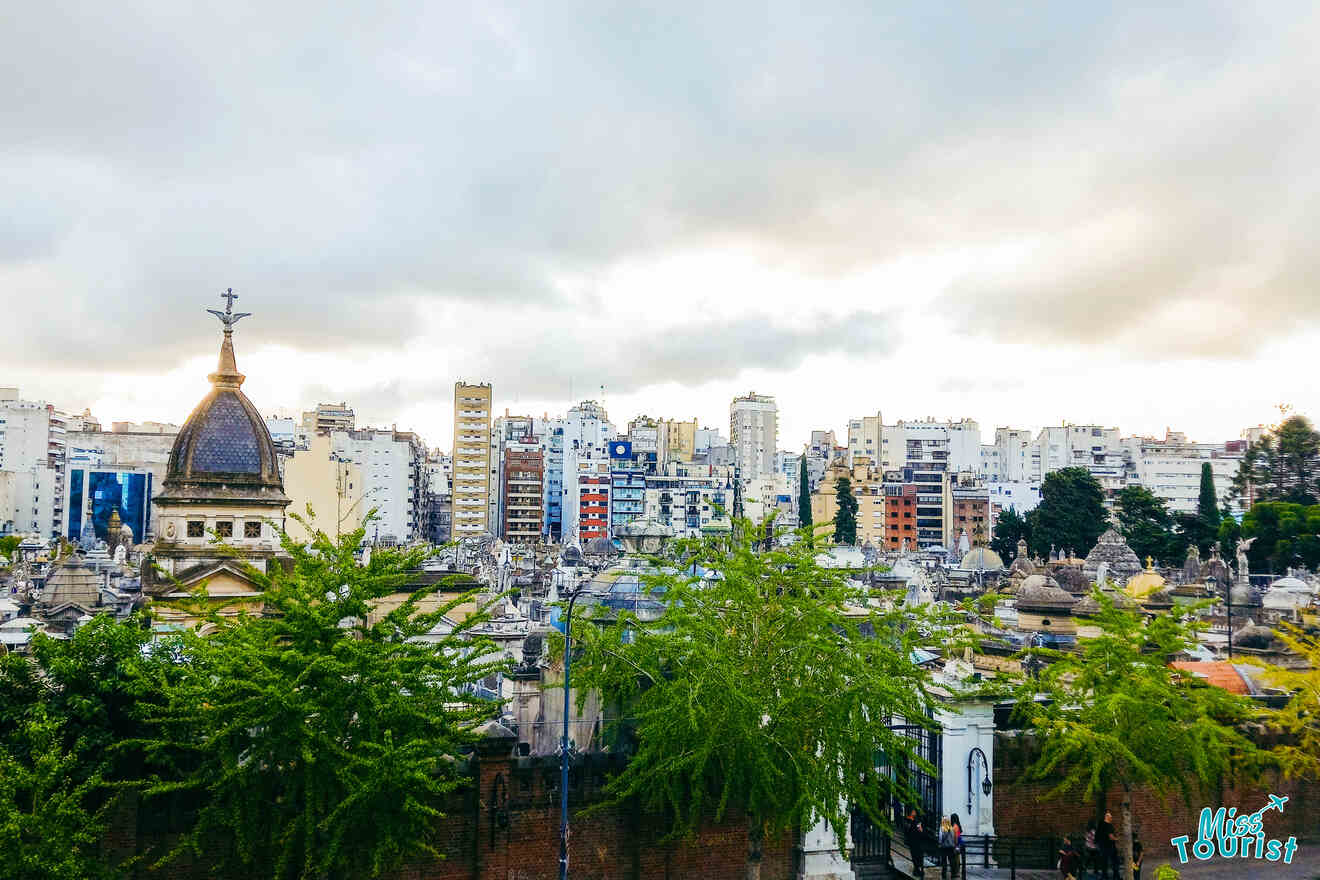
{"points": [[348, 168]]}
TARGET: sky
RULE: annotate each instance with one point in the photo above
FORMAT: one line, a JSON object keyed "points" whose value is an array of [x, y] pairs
{"points": [[1021, 214]]}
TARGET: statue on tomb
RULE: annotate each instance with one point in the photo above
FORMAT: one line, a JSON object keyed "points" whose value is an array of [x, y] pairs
{"points": [[1243, 567]]}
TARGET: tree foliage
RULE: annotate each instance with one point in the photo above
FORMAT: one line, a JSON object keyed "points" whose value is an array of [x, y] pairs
{"points": [[52, 808], [767, 688], [1300, 718], [318, 739], [1010, 527], [68, 715], [1117, 714], [1071, 514], [1284, 465], [1144, 520], [804, 496], [845, 516], [1207, 501], [1286, 535]]}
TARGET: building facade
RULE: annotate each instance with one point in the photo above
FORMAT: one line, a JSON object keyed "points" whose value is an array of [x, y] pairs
{"points": [[471, 467], [754, 434]]}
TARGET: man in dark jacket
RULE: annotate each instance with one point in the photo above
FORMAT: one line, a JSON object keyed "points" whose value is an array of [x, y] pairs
{"points": [[1107, 837], [913, 834]]}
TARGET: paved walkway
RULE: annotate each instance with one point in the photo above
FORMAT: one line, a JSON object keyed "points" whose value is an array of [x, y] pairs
{"points": [[1305, 866]]}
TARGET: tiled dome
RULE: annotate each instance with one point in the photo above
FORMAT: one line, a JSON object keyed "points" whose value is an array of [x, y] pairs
{"points": [[224, 451]]}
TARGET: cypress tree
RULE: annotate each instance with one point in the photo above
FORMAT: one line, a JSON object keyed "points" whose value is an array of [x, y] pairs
{"points": [[804, 494], [1207, 506], [845, 520]]}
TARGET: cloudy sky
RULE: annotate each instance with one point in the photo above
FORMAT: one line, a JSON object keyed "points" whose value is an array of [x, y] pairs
{"points": [[1055, 211]]}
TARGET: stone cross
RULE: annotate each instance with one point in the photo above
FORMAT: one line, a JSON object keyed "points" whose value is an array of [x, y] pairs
{"points": [[229, 317]]}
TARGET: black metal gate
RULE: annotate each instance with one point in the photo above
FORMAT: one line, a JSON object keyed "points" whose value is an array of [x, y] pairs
{"points": [[871, 844]]}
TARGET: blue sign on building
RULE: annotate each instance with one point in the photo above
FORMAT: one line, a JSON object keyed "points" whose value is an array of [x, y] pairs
{"points": [[621, 449]]}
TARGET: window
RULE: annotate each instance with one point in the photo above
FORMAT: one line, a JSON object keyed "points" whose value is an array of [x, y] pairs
{"points": [[252, 529], [224, 529], [196, 528]]}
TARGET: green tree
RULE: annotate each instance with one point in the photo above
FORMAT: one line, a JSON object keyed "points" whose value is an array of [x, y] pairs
{"points": [[1010, 527], [1299, 751], [768, 690], [1207, 503], [52, 811], [1117, 715], [320, 739], [8, 544], [845, 517], [1286, 535], [1144, 520], [1284, 465], [804, 497], [1071, 514]]}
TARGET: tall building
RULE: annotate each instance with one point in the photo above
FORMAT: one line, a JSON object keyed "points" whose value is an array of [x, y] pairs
{"points": [[864, 437], [329, 417], [1012, 458], [439, 497], [931, 445], [754, 434], [585, 431], [393, 468], [33, 442], [1096, 448], [331, 484], [1171, 467], [524, 503], [471, 467]]}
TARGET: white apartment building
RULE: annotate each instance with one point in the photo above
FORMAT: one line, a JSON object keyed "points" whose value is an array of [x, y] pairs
{"points": [[1171, 468], [585, 429], [33, 441], [931, 445], [393, 479], [754, 434], [1012, 458], [1096, 448]]}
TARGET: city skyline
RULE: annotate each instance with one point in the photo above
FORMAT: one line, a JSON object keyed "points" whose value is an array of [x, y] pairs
{"points": [[920, 212]]}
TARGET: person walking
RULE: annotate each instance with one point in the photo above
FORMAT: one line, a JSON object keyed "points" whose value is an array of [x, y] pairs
{"points": [[1070, 861], [958, 843], [1108, 846], [1091, 850], [913, 832], [948, 850]]}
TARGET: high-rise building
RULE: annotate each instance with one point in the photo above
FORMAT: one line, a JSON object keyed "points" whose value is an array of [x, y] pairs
{"points": [[754, 434], [524, 508], [329, 417], [867, 485], [393, 477], [33, 442], [864, 436], [931, 445], [471, 468]]}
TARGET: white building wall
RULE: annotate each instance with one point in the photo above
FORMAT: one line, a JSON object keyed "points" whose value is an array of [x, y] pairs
{"points": [[754, 434], [387, 486]]}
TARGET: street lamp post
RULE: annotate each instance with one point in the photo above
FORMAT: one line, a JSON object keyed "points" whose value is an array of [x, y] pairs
{"points": [[563, 743]]}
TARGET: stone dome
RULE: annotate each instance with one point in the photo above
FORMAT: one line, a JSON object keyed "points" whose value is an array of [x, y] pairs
{"points": [[224, 451], [981, 559], [1114, 551], [75, 581], [1042, 592]]}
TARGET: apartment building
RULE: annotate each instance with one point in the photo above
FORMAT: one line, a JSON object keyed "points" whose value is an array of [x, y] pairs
{"points": [[471, 460]]}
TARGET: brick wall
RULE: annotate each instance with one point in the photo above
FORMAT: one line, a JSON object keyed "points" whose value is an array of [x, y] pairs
{"points": [[506, 827], [1023, 810]]}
